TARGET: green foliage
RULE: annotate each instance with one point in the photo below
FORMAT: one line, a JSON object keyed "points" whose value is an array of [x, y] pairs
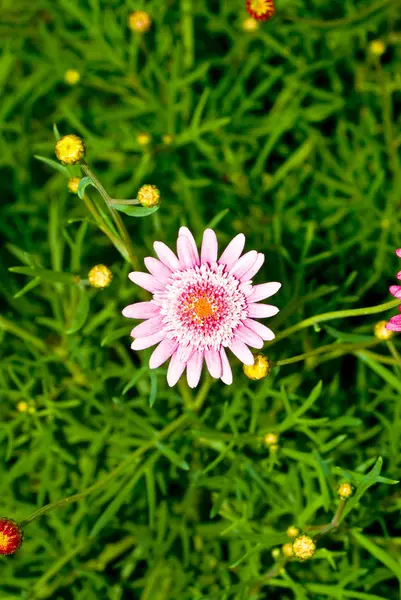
{"points": [[289, 134]]}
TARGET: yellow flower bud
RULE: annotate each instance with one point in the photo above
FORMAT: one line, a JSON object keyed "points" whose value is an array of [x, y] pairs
{"points": [[143, 139], [70, 149], [292, 531], [167, 139], [287, 550], [271, 439], [259, 369], [345, 490], [72, 76], [381, 332], [73, 184], [139, 21], [250, 24], [100, 276], [377, 47], [148, 196], [22, 406], [276, 553], [304, 547]]}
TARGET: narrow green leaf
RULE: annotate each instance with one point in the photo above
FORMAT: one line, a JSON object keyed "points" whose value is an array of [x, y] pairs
{"points": [[83, 184], [46, 274], [173, 456], [135, 211], [363, 485], [379, 553], [81, 312], [53, 164], [28, 287]]}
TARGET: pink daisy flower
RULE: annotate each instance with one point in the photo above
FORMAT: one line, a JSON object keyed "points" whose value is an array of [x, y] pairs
{"points": [[201, 305], [394, 323]]}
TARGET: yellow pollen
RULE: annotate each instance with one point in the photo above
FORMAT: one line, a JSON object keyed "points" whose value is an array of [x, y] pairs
{"points": [[260, 6], [203, 308], [4, 541]]}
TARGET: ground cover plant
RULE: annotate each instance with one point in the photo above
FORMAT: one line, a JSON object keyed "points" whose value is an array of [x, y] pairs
{"points": [[284, 484]]}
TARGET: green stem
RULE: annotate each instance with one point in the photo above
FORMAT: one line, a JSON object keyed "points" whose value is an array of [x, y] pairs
{"points": [[22, 333], [359, 16], [183, 420], [339, 314], [347, 348]]}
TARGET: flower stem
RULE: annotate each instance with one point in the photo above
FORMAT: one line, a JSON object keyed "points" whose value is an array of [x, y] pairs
{"points": [[346, 348], [339, 314]]}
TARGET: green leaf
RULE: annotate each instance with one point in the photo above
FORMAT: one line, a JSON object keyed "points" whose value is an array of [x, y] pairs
{"points": [[83, 184], [56, 132], [53, 164], [116, 335], [81, 312], [173, 456], [379, 553], [382, 371], [28, 287], [46, 274], [135, 211], [364, 484]]}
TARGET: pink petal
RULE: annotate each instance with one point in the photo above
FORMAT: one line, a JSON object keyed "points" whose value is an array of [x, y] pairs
{"points": [[147, 282], [184, 231], [194, 369], [213, 363], [248, 336], [398, 275], [147, 342], [156, 268], [185, 252], [227, 376], [398, 252], [264, 290], [209, 247], [233, 251], [243, 264], [261, 311], [166, 256], [395, 290], [175, 370], [394, 324], [242, 352], [184, 353], [246, 288], [255, 267], [163, 351], [141, 310], [148, 327], [264, 332]]}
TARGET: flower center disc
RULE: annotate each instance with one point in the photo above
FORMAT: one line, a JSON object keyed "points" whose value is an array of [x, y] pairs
{"points": [[203, 308]]}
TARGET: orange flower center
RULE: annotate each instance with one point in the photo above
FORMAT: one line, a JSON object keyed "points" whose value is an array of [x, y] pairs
{"points": [[4, 541], [203, 308]]}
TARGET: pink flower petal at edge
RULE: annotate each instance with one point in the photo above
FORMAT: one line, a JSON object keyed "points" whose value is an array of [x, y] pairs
{"points": [[263, 291], [249, 337], [243, 264], [209, 247], [184, 231], [163, 352], [148, 327], [148, 341], [166, 256], [398, 252], [227, 375], [242, 352], [147, 282], [157, 269], [175, 370], [213, 363], [185, 253], [395, 290], [394, 323], [141, 310], [255, 268], [262, 311], [194, 369], [264, 332], [233, 251]]}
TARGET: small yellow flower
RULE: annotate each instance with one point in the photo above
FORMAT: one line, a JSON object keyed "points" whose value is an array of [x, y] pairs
{"points": [[304, 547], [381, 332], [22, 406], [148, 196], [345, 490], [287, 550], [377, 47], [276, 553], [271, 439], [250, 24], [100, 276], [167, 139], [70, 149], [259, 369], [139, 21], [292, 531], [72, 76], [143, 139], [73, 184]]}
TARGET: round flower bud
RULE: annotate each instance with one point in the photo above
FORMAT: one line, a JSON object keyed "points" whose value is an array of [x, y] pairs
{"points": [[345, 490], [143, 139], [73, 184], [377, 47], [287, 550], [11, 536], [250, 24], [70, 149], [72, 76], [167, 139], [139, 21], [148, 196], [276, 553], [381, 332], [261, 10], [271, 439], [303, 547], [292, 531], [22, 406], [259, 369], [100, 276]]}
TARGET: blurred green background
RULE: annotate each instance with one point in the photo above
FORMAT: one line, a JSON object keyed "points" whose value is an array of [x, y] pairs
{"points": [[289, 133]]}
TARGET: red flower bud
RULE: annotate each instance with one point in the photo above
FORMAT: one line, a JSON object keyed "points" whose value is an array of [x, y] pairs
{"points": [[261, 10], [11, 536]]}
